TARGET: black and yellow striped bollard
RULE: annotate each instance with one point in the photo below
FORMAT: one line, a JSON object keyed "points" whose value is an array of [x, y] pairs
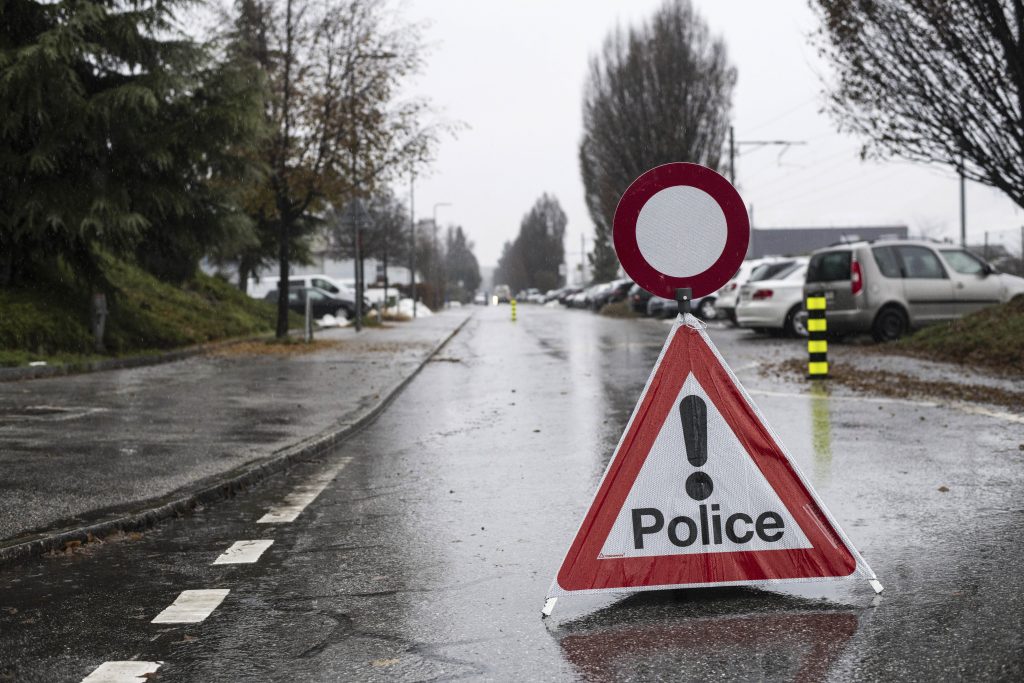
{"points": [[817, 345], [513, 304]]}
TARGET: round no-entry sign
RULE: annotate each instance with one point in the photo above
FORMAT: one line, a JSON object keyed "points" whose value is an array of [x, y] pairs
{"points": [[681, 225]]}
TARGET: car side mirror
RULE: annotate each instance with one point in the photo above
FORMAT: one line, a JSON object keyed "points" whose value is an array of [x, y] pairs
{"points": [[987, 270]]}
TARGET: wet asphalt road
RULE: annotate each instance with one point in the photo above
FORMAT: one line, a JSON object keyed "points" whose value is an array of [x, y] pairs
{"points": [[429, 555]]}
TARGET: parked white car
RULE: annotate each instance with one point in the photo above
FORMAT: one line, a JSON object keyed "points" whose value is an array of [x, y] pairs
{"points": [[775, 304], [725, 303], [258, 287]]}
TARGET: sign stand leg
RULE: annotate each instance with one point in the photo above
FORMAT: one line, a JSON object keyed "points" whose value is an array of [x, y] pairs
{"points": [[683, 297], [549, 607]]}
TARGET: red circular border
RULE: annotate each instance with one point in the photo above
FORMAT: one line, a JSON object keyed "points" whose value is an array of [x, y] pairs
{"points": [[656, 180]]}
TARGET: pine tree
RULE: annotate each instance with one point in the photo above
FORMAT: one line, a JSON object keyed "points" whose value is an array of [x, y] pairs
{"points": [[114, 130], [462, 271]]}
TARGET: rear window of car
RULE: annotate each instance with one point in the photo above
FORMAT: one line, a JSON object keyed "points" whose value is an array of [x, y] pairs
{"points": [[887, 261], [771, 271], [829, 266]]}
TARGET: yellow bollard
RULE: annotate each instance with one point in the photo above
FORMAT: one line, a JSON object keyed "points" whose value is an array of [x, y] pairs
{"points": [[817, 345], [513, 302]]}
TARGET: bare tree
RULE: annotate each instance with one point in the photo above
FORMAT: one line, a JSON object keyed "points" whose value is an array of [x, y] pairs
{"points": [[334, 72], [657, 93], [933, 81]]}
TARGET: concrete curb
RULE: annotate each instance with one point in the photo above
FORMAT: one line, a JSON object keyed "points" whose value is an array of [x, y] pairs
{"points": [[230, 483]]}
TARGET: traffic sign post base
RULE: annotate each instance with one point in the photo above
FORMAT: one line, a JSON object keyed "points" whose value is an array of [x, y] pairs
{"points": [[684, 295]]}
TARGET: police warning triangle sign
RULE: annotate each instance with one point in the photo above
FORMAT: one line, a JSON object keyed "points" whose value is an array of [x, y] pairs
{"points": [[700, 492]]}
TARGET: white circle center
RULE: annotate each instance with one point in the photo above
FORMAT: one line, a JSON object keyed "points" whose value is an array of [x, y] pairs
{"points": [[681, 231]]}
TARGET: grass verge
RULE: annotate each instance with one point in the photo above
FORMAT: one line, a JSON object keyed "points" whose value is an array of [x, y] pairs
{"points": [[991, 339], [50, 321]]}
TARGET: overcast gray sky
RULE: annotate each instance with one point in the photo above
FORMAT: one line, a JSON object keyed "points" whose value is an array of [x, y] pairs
{"points": [[514, 72]]}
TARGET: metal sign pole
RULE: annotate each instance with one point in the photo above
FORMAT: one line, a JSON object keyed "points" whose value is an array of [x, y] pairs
{"points": [[309, 317], [684, 295]]}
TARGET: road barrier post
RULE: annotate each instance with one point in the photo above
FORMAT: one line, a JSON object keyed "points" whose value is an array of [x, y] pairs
{"points": [[513, 303], [817, 344]]}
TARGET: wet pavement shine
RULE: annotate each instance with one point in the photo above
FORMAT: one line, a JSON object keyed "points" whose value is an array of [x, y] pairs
{"points": [[429, 553]]}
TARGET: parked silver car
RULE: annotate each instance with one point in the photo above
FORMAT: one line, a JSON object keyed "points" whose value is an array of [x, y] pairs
{"points": [[888, 287]]}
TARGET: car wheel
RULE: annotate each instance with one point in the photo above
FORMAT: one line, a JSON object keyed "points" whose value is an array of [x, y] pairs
{"points": [[890, 324], [706, 311], [796, 322]]}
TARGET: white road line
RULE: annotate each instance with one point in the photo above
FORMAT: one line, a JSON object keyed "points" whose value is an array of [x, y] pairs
{"points": [[855, 399], [243, 552], [296, 501], [122, 672], [998, 414], [191, 607], [962, 407]]}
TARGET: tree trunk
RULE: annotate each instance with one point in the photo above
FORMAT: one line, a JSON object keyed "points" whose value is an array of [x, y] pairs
{"points": [[7, 261], [244, 272], [282, 283]]}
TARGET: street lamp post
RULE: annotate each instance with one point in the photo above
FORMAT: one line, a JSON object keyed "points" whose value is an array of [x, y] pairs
{"points": [[436, 206]]}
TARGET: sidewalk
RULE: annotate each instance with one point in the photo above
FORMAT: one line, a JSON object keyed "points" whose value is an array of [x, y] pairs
{"points": [[120, 448]]}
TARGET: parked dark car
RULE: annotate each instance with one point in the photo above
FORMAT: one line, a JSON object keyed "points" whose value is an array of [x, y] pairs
{"points": [[638, 298], [567, 294], [703, 308], [323, 303], [619, 291]]}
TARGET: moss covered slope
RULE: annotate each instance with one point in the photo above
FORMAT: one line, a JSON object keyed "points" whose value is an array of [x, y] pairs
{"points": [[52, 320]]}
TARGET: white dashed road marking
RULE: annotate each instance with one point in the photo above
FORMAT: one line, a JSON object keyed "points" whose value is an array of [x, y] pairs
{"points": [[122, 672], [296, 501], [191, 607], [243, 552]]}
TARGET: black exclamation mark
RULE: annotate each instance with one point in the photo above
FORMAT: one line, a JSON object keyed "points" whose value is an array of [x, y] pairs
{"points": [[694, 414]]}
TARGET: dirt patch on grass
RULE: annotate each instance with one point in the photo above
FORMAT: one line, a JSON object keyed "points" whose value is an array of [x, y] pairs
{"points": [[619, 309], [287, 347], [898, 384]]}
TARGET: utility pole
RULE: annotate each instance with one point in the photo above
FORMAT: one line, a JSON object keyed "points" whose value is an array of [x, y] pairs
{"points": [[732, 156], [412, 230], [357, 219], [735, 144], [963, 205]]}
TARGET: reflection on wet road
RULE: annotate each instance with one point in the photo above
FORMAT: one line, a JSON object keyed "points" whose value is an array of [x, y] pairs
{"points": [[429, 555]]}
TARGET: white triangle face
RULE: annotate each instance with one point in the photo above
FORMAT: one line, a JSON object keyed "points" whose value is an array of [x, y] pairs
{"points": [[742, 513]]}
